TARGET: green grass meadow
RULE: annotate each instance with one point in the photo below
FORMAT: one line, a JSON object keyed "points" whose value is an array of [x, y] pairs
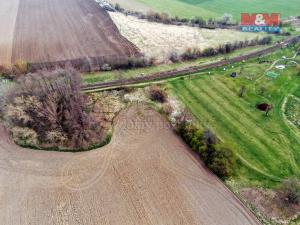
{"points": [[216, 8], [268, 148]]}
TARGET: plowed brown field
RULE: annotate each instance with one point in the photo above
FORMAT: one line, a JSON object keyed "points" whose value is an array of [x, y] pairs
{"points": [[56, 31], [146, 175]]}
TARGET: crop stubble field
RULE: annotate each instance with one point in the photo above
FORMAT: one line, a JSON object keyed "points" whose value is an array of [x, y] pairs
{"points": [[52, 31], [146, 175]]}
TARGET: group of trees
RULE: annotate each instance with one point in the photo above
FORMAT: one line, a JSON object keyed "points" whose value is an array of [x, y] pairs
{"points": [[194, 53], [138, 62], [49, 109], [217, 157], [225, 20]]}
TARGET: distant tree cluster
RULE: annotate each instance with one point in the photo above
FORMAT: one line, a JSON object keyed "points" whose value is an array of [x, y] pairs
{"points": [[49, 109], [138, 62], [163, 17], [218, 158], [194, 53]]}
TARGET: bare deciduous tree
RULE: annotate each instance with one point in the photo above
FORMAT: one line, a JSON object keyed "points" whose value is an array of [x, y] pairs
{"points": [[56, 108]]}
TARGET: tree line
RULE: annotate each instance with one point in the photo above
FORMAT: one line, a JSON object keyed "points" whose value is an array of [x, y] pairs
{"points": [[225, 21]]}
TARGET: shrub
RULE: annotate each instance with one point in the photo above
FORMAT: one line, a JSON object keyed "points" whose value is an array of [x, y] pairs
{"points": [[167, 109], [174, 57], [118, 7], [298, 70], [199, 21], [20, 67], [219, 159], [191, 53], [290, 190], [226, 19], [138, 62], [24, 136], [157, 94], [106, 67], [5, 71], [209, 52], [265, 40]]}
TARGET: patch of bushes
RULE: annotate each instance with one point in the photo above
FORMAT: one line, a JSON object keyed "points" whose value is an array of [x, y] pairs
{"points": [[224, 22], [140, 62], [217, 157], [290, 191], [174, 57], [156, 94], [194, 53], [16, 70], [48, 110]]}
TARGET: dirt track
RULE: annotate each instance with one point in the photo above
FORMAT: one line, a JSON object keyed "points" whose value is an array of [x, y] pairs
{"points": [[146, 175], [55, 31]]}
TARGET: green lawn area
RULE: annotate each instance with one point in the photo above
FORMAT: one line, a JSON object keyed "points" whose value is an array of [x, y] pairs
{"points": [[267, 147], [216, 8]]}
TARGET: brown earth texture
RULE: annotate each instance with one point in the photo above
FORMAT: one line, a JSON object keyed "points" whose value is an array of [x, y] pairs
{"points": [[56, 31], [146, 175]]}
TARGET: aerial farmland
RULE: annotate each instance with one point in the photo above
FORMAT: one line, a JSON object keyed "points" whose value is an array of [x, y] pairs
{"points": [[126, 112], [58, 31]]}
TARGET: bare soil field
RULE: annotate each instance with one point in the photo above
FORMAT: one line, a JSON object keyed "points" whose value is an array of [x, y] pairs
{"points": [[8, 16], [146, 175], [59, 31], [160, 40]]}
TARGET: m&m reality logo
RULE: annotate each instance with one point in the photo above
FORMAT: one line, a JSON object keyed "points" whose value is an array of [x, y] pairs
{"points": [[260, 22]]}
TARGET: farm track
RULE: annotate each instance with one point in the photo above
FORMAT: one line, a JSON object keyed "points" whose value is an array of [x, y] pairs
{"points": [[146, 175], [186, 71], [53, 32]]}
